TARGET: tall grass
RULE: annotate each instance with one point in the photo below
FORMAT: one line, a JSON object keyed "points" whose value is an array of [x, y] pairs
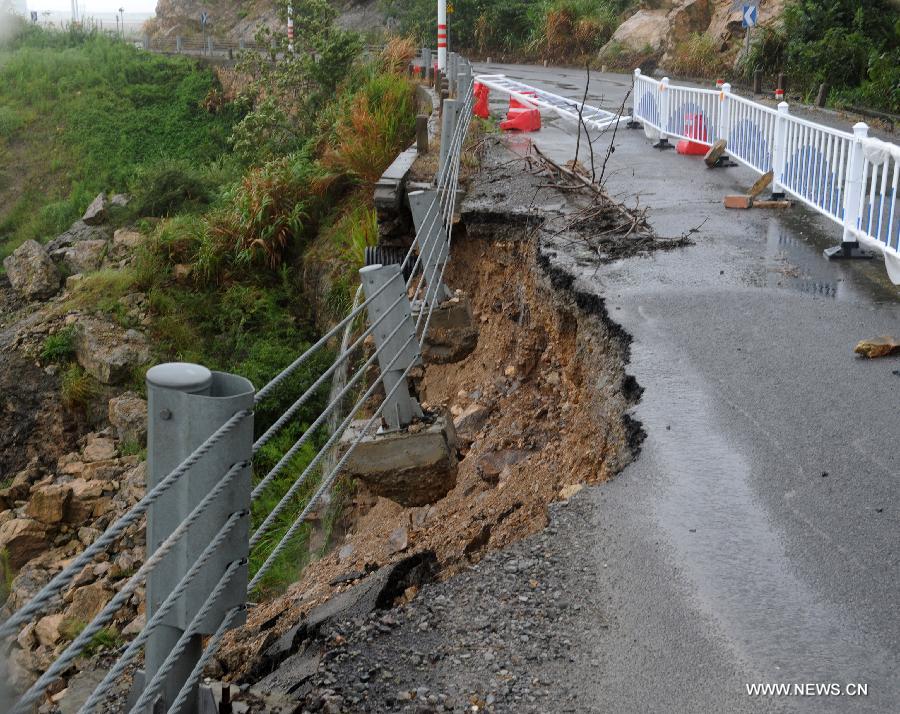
{"points": [[81, 113], [698, 56], [378, 122]]}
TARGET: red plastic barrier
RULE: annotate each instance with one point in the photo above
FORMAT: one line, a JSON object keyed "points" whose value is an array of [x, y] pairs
{"points": [[521, 117], [524, 120], [482, 95], [693, 127]]}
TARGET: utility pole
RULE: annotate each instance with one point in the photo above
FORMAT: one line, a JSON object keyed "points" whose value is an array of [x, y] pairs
{"points": [[442, 35], [290, 28]]}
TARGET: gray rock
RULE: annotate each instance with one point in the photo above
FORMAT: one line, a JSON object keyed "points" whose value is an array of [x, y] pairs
{"points": [[107, 352], [78, 231], [119, 199], [128, 414], [31, 271], [81, 257], [471, 421], [96, 213]]}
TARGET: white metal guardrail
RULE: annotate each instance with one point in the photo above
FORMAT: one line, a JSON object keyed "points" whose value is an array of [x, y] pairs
{"points": [[201, 450], [569, 109], [849, 177]]}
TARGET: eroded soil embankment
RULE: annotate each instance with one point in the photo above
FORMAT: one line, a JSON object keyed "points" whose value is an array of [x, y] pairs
{"points": [[541, 406]]}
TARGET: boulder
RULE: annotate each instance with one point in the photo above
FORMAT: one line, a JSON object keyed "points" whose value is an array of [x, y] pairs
{"points": [[47, 630], [134, 627], [118, 199], [87, 602], [85, 495], [28, 581], [687, 18], [107, 352], [128, 240], [23, 539], [48, 504], [471, 421], [398, 541], [128, 415], [96, 213], [81, 257], [79, 231], [31, 271], [646, 28], [98, 448], [491, 464]]}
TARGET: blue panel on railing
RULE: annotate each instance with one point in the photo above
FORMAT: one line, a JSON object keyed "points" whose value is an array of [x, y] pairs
{"points": [[748, 142]]}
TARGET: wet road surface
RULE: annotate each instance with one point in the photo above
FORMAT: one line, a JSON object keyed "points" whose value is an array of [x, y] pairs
{"points": [[757, 537]]}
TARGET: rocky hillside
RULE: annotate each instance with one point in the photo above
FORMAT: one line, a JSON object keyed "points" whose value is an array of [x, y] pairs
{"points": [[660, 26], [67, 471], [239, 20]]}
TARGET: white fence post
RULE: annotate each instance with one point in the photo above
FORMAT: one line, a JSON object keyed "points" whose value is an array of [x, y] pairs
{"points": [[724, 111], [663, 104], [779, 150], [853, 188], [637, 94]]}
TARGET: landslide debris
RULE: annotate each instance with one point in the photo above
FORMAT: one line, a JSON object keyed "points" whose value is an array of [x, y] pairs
{"points": [[540, 406]]}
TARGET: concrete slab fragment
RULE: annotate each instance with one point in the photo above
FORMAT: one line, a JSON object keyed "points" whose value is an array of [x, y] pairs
{"points": [[412, 467]]}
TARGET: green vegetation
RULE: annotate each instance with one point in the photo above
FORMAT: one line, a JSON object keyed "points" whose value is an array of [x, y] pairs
{"points": [[556, 30], [6, 575], [253, 193], [78, 388], [81, 113], [60, 346], [851, 45], [107, 638]]}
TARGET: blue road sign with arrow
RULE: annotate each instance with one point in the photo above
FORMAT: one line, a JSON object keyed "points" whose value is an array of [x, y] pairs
{"points": [[749, 15], [204, 18]]}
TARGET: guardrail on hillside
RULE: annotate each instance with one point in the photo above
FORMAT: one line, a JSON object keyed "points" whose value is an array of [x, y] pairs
{"points": [[849, 177], [200, 454]]}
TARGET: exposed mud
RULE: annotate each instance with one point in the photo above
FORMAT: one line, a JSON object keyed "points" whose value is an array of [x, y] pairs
{"points": [[541, 405], [33, 423]]}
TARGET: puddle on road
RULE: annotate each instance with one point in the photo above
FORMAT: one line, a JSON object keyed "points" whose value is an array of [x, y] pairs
{"points": [[794, 261]]}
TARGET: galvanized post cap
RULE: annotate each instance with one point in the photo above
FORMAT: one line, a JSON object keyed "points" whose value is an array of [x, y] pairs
{"points": [[181, 376]]}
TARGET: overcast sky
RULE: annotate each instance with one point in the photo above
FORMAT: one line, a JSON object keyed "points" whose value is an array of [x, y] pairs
{"points": [[94, 6]]}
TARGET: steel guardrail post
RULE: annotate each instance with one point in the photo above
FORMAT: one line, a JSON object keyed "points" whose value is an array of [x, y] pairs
{"points": [[448, 128], [394, 339], [187, 403], [779, 150], [435, 245], [178, 44], [451, 74]]}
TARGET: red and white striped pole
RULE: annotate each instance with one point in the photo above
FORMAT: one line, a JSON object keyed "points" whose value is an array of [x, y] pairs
{"points": [[442, 35], [290, 28]]}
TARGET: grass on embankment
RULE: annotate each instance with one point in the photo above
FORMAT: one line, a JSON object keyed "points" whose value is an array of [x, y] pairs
{"points": [[81, 113], [247, 259]]}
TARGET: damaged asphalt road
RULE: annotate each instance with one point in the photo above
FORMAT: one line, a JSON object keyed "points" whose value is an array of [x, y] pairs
{"points": [[756, 538]]}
